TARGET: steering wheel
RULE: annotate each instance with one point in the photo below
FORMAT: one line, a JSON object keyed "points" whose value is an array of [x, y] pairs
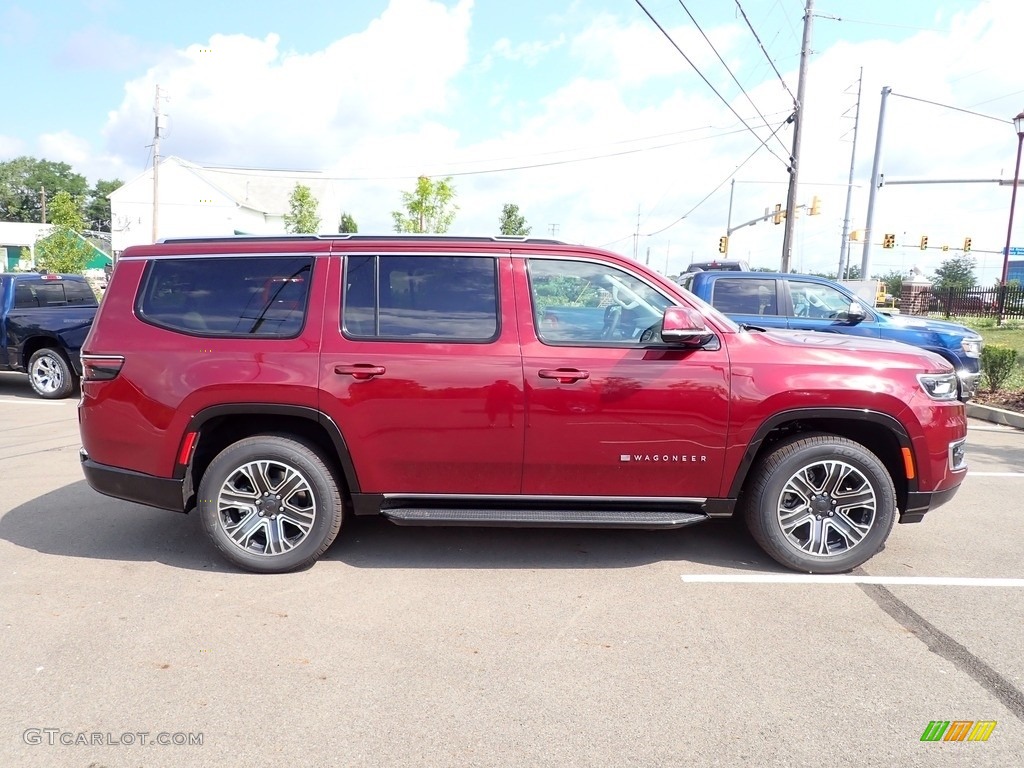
{"points": [[612, 318], [625, 304]]}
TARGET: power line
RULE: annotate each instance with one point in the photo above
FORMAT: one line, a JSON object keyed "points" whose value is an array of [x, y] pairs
{"points": [[504, 169], [720, 185], [754, 33], [708, 82], [727, 69], [949, 106]]}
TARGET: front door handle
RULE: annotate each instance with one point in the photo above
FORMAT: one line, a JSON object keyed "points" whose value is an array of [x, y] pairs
{"points": [[361, 371], [563, 375]]}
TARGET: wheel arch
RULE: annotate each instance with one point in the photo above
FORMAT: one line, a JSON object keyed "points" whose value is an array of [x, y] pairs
{"points": [[221, 425], [880, 433]]}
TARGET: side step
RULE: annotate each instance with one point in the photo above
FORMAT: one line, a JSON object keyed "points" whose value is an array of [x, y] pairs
{"points": [[541, 518]]}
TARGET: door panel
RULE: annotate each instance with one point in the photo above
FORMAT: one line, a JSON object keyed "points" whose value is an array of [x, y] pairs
{"points": [[620, 420], [426, 380]]}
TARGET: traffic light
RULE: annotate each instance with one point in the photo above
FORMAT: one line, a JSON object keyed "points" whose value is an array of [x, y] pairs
{"points": [[815, 206], [967, 245], [779, 214], [889, 241], [924, 242], [723, 244]]}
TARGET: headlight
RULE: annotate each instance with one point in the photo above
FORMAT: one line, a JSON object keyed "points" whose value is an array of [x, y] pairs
{"points": [[971, 347], [939, 386]]}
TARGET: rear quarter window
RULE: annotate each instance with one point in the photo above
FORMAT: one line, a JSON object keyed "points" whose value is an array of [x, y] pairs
{"points": [[264, 296]]}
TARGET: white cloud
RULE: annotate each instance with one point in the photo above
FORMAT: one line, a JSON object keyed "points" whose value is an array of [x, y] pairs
{"points": [[10, 147], [381, 103]]}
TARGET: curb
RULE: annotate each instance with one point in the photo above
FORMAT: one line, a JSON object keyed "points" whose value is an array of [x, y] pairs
{"points": [[995, 415]]}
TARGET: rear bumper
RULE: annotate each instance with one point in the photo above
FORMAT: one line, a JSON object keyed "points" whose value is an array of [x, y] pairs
{"points": [[162, 492], [920, 502]]}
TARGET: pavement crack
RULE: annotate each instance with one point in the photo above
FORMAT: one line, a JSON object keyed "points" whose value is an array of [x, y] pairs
{"points": [[941, 644]]}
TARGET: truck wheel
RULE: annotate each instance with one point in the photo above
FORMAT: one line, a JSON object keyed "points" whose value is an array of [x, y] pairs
{"points": [[820, 504], [50, 374], [270, 504]]}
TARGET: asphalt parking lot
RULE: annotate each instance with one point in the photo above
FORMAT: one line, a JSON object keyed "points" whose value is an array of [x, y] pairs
{"points": [[126, 641]]}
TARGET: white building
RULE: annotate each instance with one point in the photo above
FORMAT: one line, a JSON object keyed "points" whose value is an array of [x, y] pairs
{"points": [[15, 238], [197, 200]]}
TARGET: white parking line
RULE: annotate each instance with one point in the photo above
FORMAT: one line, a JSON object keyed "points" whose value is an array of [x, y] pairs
{"points": [[995, 474], [891, 581], [27, 401]]}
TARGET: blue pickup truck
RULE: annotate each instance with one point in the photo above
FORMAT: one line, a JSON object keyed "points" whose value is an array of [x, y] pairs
{"points": [[804, 302], [43, 321]]}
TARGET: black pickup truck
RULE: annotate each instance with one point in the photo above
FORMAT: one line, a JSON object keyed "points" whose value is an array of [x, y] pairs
{"points": [[43, 321]]}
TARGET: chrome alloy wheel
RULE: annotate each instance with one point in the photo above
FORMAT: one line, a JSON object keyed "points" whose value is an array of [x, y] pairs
{"points": [[266, 507], [47, 375], [827, 508]]}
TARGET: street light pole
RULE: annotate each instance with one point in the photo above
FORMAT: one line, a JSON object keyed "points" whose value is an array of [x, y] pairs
{"points": [[1018, 124]]}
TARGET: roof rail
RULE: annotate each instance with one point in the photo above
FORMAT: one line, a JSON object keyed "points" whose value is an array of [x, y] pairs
{"points": [[357, 237]]}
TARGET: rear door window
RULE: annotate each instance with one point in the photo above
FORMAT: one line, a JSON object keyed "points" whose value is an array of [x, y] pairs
{"points": [[422, 298], [228, 296]]}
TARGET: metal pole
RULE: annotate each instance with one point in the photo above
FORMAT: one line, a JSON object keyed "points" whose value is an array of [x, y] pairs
{"points": [[1013, 202], [865, 261], [156, 161], [845, 247], [798, 116], [728, 222]]}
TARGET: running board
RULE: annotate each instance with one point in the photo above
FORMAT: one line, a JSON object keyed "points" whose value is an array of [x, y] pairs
{"points": [[540, 518]]}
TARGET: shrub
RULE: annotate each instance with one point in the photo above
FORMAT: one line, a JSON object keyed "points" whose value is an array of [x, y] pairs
{"points": [[997, 363]]}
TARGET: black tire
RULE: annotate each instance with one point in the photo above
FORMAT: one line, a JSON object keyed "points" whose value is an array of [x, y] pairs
{"points": [[837, 499], [266, 493], [50, 374]]}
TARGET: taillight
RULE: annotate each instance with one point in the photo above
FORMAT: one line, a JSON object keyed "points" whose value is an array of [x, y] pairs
{"points": [[101, 367]]}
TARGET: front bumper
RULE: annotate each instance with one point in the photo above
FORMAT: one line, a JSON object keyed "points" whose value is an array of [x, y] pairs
{"points": [[161, 492], [920, 502]]}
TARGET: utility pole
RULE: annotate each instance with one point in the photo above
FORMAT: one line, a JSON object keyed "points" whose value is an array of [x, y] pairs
{"points": [[636, 234], [845, 247], [876, 182], [42, 202], [798, 118], [553, 229], [732, 189], [156, 161]]}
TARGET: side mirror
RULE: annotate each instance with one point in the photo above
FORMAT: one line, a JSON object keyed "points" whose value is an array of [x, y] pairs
{"points": [[684, 327], [855, 313]]}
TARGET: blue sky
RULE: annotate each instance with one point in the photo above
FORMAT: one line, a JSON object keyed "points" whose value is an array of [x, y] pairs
{"points": [[376, 92]]}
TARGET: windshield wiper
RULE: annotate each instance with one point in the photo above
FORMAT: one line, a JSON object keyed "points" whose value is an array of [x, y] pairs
{"points": [[749, 327]]}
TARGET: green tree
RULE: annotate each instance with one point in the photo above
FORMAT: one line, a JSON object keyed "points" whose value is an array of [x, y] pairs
{"points": [[97, 206], [23, 181], [302, 218], [347, 224], [956, 273], [429, 208], [512, 222], [893, 282], [63, 249]]}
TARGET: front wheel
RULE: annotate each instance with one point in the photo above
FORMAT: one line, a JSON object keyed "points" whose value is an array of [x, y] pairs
{"points": [[50, 374], [820, 504], [270, 504]]}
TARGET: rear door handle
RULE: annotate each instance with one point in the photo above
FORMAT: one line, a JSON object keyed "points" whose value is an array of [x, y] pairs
{"points": [[361, 371], [563, 375]]}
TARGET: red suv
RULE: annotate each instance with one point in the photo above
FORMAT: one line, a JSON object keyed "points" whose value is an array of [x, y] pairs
{"points": [[275, 384]]}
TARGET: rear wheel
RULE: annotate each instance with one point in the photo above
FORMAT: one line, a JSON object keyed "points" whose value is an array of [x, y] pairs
{"points": [[820, 504], [50, 374], [270, 504]]}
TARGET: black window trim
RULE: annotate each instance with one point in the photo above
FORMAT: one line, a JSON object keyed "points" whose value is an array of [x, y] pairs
{"points": [[494, 256]]}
